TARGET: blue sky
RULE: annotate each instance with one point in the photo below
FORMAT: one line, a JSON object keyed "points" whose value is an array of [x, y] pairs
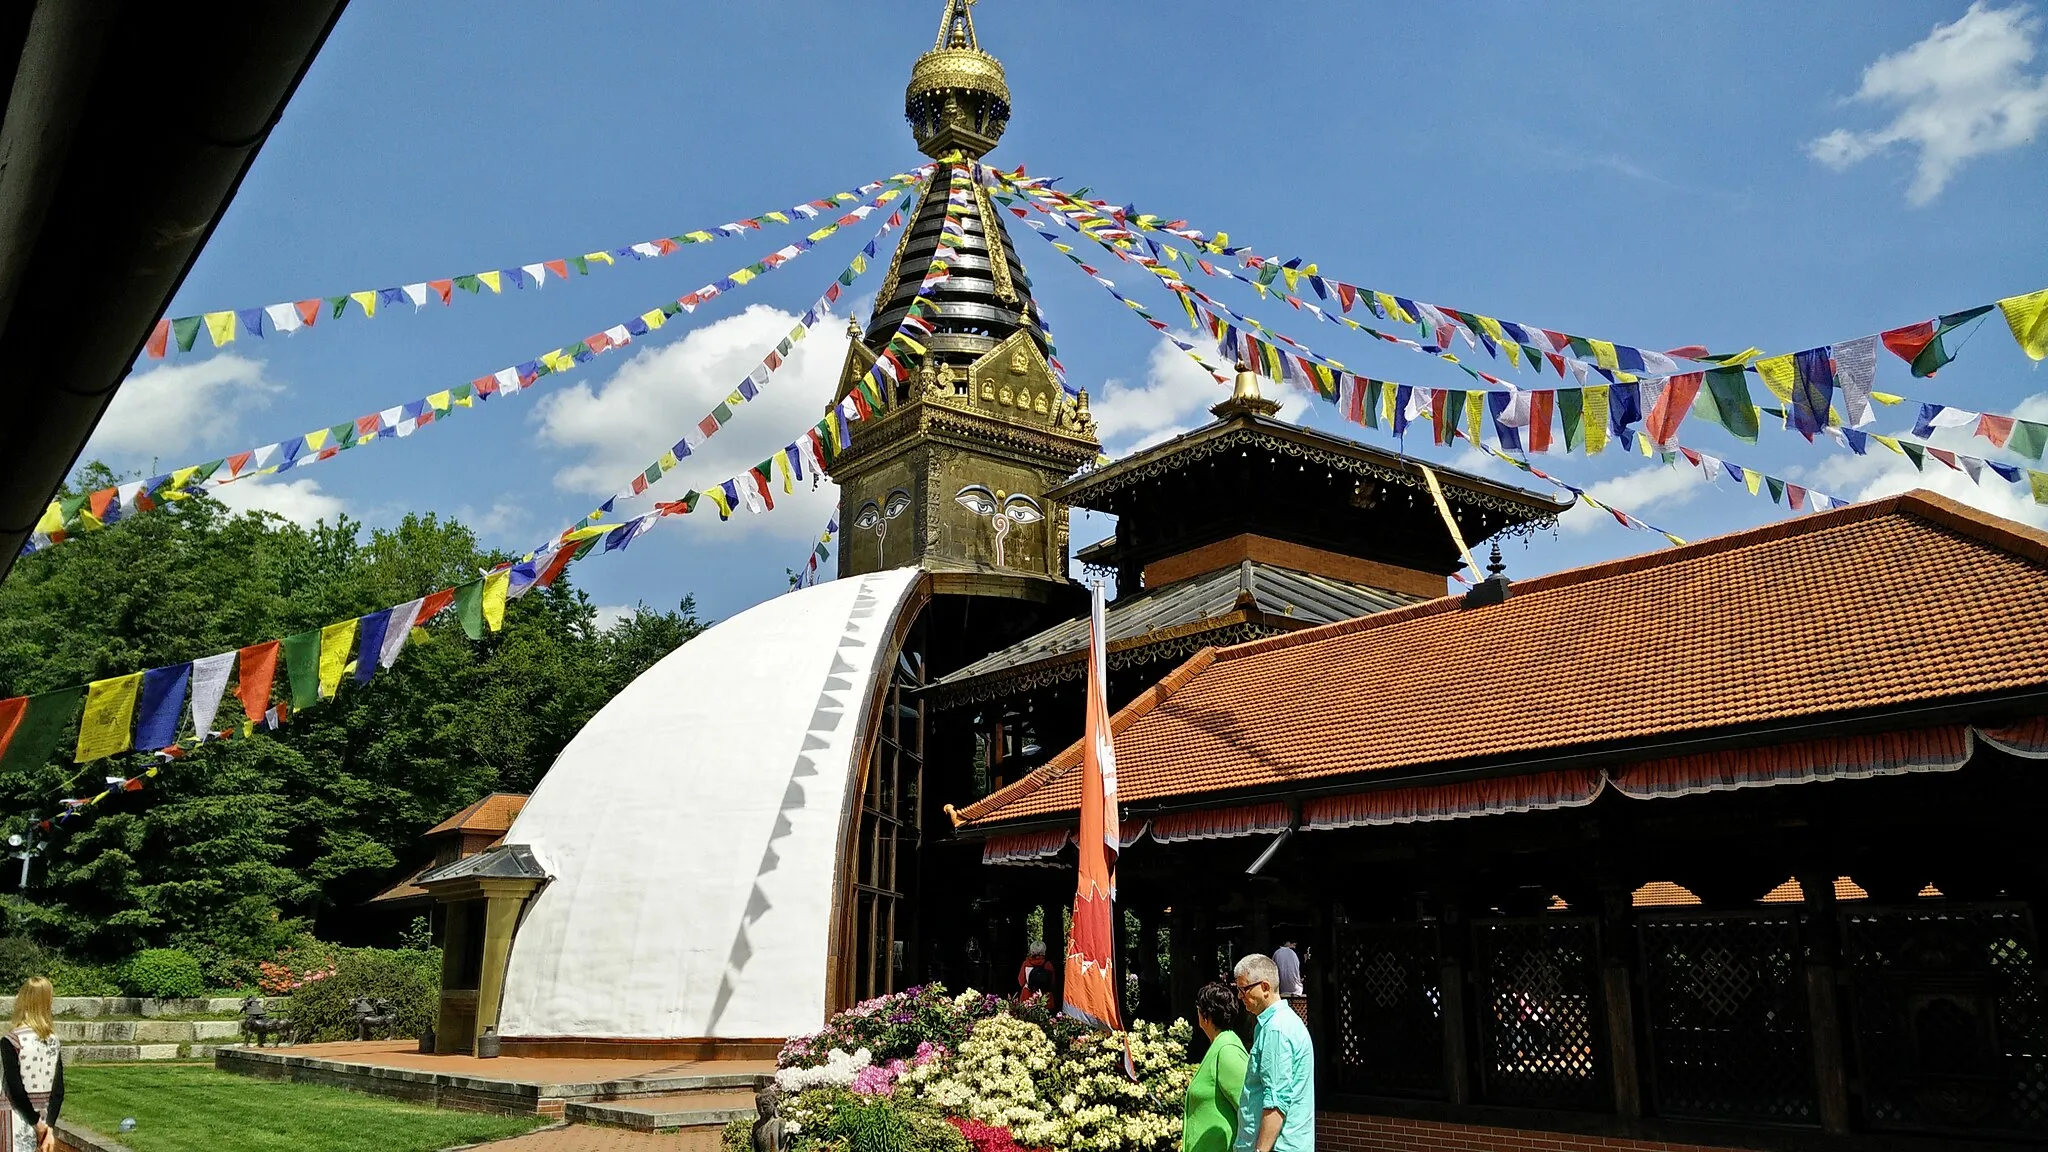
{"points": [[1653, 174]]}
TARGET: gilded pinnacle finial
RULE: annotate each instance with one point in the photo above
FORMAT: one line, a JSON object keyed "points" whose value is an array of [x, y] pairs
{"points": [[1245, 396], [958, 98]]}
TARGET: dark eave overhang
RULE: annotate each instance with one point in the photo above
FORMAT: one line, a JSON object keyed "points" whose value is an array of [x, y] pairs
{"points": [[126, 131], [1997, 708]]}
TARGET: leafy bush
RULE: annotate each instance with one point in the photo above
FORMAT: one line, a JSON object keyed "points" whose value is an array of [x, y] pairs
{"points": [[20, 958], [893, 1027], [836, 1120], [163, 974], [738, 1136], [75, 979], [410, 980]]}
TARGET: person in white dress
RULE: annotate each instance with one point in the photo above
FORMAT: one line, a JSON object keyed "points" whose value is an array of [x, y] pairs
{"points": [[33, 1071]]}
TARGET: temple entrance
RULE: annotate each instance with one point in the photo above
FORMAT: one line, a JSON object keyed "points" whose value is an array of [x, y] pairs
{"points": [[890, 832]]}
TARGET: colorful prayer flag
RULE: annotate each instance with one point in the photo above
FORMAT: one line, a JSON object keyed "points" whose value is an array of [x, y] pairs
{"points": [[108, 725]]}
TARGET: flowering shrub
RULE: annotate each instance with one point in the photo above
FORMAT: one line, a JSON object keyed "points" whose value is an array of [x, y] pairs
{"points": [[1009, 1078]]}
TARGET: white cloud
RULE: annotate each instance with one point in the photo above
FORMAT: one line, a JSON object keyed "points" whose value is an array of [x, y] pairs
{"points": [[617, 427], [611, 615], [168, 411], [1962, 92], [299, 501], [1175, 396], [1637, 493], [1883, 474]]}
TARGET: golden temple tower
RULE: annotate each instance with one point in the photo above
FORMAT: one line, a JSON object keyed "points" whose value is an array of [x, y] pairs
{"points": [[950, 475]]}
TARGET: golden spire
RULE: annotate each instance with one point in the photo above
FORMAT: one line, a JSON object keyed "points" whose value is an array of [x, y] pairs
{"points": [[1245, 397], [958, 99]]}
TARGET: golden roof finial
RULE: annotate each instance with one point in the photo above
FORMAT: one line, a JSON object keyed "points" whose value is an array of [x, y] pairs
{"points": [[956, 26], [1245, 396]]}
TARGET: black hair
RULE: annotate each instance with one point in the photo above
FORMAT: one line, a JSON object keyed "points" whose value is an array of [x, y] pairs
{"points": [[1039, 979], [1217, 1002]]}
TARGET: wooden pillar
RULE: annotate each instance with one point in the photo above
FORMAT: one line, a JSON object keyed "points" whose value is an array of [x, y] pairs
{"points": [[502, 901], [1823, 953], [455, 1016], [1616, 947], [1450, 945]]}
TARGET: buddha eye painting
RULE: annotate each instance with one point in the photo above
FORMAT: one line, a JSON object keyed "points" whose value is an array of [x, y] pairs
{"points": [[1003, 511]]}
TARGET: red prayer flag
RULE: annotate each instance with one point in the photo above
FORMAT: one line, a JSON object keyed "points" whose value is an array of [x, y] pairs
{"points": [[432, 605], [239, 461], [308, 310], [1946, 457], [366, 426], [559, 267], [257, 667], [1906, 343], [1689, 352], [1672, 405], [1542, 413], [1346, 294], [159, 343], [445, 289], [11, 712], [1997, 429], [1091, 986], [1795, 496], [708, 425]]}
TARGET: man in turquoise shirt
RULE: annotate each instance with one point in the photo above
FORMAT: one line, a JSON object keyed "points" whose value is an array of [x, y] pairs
{"points": [[1277, 1110]]}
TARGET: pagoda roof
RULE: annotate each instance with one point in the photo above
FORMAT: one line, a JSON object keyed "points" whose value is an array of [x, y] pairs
{"points": [[1249, 600], [1243, 428], [1881, 613]]}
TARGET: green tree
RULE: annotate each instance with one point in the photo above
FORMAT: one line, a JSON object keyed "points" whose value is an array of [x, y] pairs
{"points": [[231, 852]]}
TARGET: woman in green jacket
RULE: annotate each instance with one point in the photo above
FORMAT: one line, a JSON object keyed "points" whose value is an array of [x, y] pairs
{"points": [[1210, 1121]]}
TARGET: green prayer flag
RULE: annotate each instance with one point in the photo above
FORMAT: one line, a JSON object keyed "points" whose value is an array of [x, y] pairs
{"points": [[342, 435], [336, 305], [469, 284], [1725, 401], [1914, 452], [2038, 480], [1454, 410], [469, 608], [722, 413], [582, 265], [1777, 487], [43, 722], [2027, 439], [186, 329], [1372, 403], [302, 667], [1580, 348], [652, 474], [1571, 408]]}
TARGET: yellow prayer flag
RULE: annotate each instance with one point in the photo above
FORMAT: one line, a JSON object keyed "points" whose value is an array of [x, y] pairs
{"points": [[821, 233], [2027, 316], [2038, 481], [315, 441], [108, 725], [1491, 327], [717, 496], [367, 299], [1780, 376], [1643, 444], [654, 319], [668, 462], [1387, 396], [439, 401], [1753, 478], [496, 585], [1886, 398], [778, 217], [1393, 308], [1596, 412], [221, 326], [1475, 413], [782, 466], [492, 280], [1889, 442], [598, 257], [53, 519], [335, 642], [1603, 354], [742, 275]]}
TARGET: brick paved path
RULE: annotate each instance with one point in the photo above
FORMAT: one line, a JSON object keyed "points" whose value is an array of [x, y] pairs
{"points": [[596, 1138]]}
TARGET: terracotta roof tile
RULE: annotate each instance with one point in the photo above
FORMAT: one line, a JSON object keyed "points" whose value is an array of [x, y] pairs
{"points": [[1909, 598], [493, 813]]}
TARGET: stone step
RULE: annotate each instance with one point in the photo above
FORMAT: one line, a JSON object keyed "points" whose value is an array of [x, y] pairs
{"points": [[711, 1110], [147, 1031], [91, 1006], [121, 1053]]}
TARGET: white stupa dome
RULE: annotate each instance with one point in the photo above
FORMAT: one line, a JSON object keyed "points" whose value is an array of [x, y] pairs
{"points": [[691, 830]]}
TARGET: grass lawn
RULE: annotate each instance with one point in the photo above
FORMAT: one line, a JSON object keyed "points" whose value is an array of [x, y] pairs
{"points": [[193, 1108]]}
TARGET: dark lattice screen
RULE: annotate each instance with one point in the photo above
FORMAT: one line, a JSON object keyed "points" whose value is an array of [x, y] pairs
{"points": [[1946, 1009], [1729, 1032], [1389, 1010], [1538, 1005]]}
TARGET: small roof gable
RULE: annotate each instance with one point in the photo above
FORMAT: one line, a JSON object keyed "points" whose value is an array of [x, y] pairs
{"points": [[505, 862], [1907, 599], [493, 814]]}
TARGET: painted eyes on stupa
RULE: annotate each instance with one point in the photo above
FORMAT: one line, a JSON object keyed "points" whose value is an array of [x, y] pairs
{"points": [[1023, 509], [869, 516], [976, 498], [897, 504]]}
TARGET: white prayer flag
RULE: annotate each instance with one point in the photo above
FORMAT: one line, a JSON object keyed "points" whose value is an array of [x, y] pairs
{"points": [[1856, 372], [209, 684], [396, 630]]}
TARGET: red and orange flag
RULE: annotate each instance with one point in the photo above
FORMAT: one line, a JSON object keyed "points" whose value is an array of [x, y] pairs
{"points": [[1091, 987]]}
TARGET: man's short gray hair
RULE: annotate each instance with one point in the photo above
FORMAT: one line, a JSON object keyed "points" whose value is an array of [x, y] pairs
{"points": [[1037, 948], [1258, 968]]}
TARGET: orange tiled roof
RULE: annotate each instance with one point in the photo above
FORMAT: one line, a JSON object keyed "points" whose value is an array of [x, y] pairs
{"points": [[1908, 598], [493, 813]]}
